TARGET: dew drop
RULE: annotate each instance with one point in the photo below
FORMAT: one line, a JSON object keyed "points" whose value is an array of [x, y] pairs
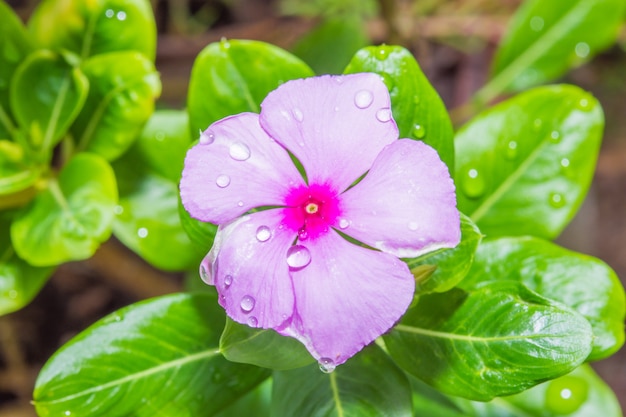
{"points": [[298, 256], [207, 137], [555, 136], [536, 23], [383, 115], [344, 223], [252, 321], [109, 13], [263, 234], [557, 200], [239, 151], [388, 80], [228, 281], [473, 184], [118, 210], [222, 181], [419, 131], [413, 226], [240, 204], [121, 16], [327, 365], [68, 413], [381, 54], [297, 114], [363, 99], [511, 150], [303, 234], [565, 162], [584, 103], [247, 304], [537, 124], [582, 49], [224, 44], [142, 232]]}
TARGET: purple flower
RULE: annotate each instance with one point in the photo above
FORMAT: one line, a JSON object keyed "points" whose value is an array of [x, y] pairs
{"points": [[288, 266]]}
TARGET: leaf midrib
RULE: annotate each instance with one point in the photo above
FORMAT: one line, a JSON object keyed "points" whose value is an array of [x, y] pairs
{"points": [[468, 338]]}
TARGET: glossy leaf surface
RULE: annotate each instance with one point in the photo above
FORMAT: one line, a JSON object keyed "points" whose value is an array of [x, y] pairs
{"points": [[238, 75], [71, 217], [369, 384], [158, 358], [545, 39], [416, 106], [16, 173], [524, 167], [95, 27], [46, 95], [582, 282], [257, 402], [496, 340], [123, 89], [266, 348]]}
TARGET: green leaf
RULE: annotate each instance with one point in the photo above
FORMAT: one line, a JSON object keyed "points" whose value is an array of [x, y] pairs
{"points": [[68, 220], [147, 218], [231, 77], [266, 348], [255, 403], [416, 106], [524, 167], [369, 384], [429, 402], [582, 282], [546, 38], [451, 264], [498, 339], [89, 28], [16, 173], [201, 233], [46, 95], [329, 47], [19, 281], [123, 89], [156, 358], [15, 45]]}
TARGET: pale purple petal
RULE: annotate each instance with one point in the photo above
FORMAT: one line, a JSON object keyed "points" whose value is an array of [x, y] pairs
{"points": [[346, 297], [334, 125], [249, 269], [235, 167], [405, 205]]}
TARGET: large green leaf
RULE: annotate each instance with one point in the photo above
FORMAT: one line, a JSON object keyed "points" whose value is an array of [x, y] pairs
{"points": [[157, 358], [524, 167], [46, 95], [231, 77], [498, 339], [546, 38], [266, 348], [369, 384], [256, 403], [122, 92], [14, 46], [451, 265], [91, 27], [584, 283], [19, 281], [416, 106], [71, 217]]}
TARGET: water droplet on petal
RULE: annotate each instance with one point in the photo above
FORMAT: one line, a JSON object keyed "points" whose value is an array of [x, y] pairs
{"points": [[582, 49], [344, 223], [536, 23], [297, 114], [511, 150], [557, 200], [363, 99], [473, 184], [247, 304], [204, 275], [327, 365], [240, 204], [383, 115], [303, 234], [263, 233], [207, 137], [298, 256], [252, 321], [413, 226], [419, 131], [239, 151], [555, 136], [142, 232], [222, 181], [228, 281]]}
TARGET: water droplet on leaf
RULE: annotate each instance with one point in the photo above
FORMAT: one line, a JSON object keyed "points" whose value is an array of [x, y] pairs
{"points": [[419, 131], [142, 232], [511, 150], [263, 233], [121, 15], [298, 256], [381, 54], [557, 200], [363, 99], [473, 184], [555, 136], [536, 23], [109, 13], [239, 151], [565, 162], [383, 115], [584, 104], [247, 303], [582, 49], [327, 365], [566, 395]]}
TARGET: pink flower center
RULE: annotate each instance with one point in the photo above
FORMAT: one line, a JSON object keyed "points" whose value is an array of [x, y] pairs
{"points": [[311, 210]]}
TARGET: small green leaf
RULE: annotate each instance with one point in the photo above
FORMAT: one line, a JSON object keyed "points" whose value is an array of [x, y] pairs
{"points": [[159, 357], [231, 77], [369, 384], [19, 281], [68, 220], [451, 264], [582, 282], [16, 174], [330, 45], [46, 95], [416, 106], [123, 89], [524, 166], [89, 28], [546, 38], [497, 340], [266, 348]]}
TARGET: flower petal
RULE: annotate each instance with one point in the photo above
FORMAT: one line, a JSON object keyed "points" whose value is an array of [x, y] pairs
{"points": [[405, 205], [335, 125], [249, 269], [346, 297], [234, 168]]}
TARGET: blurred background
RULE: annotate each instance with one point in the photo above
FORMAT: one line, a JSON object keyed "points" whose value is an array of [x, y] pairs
{"points": [[453, 41]]}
